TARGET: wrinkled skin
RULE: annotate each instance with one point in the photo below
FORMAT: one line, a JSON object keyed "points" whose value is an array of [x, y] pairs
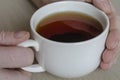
{"points": [[13, 57], [10, 54]]}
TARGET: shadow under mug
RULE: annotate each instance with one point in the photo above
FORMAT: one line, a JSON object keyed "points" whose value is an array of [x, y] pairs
{"points": [[67, 60]]}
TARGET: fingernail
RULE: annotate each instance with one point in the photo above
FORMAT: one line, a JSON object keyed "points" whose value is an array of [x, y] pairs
{"points": [[20, 34]]}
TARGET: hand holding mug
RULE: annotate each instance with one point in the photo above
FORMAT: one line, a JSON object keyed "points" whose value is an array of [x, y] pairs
{"points": [[13, 57], [73, 59], [107, 57], [110, 54]]}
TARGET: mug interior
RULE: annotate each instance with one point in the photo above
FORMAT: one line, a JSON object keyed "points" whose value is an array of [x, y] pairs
{"points": [[63, 6]]}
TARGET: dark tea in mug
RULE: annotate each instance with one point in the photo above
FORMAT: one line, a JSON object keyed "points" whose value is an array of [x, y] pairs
{"points": [[69, 27]]}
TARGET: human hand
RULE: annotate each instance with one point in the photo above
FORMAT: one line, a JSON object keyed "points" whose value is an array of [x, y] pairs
{"points": [[110, 53], [13, 57]]}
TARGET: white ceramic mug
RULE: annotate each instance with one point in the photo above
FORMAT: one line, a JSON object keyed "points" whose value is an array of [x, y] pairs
{"points": [[67, 60]]}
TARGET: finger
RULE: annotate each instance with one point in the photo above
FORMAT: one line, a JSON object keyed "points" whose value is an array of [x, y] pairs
{"points": [[12, 38], [109, 55], [108, 58], [15, 57], [105, 66], [113, 39], [6, 74], [104, 5]]}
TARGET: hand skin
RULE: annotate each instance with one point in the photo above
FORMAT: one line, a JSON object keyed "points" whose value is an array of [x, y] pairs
{"points": [[110, 53], [13, 57]]}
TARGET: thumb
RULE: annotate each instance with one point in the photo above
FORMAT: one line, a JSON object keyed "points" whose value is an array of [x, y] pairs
{"points": [[13, 38], [104, 5]]}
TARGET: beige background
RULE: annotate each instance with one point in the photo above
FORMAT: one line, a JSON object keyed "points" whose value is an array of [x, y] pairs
{"points": [[15, 15]]}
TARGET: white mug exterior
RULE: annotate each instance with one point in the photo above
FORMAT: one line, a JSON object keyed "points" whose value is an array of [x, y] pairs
{"points": [[70, 60]]}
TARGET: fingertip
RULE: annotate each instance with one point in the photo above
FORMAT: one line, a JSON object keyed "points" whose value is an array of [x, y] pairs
{"points": [[105, 66], [28, 57], [107, 56]]}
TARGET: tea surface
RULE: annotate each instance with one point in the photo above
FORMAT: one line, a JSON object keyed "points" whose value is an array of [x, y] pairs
{"points": [[69, 27]]}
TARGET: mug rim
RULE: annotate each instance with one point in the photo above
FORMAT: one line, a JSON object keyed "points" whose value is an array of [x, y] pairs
{"points": [[70, 43]]}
